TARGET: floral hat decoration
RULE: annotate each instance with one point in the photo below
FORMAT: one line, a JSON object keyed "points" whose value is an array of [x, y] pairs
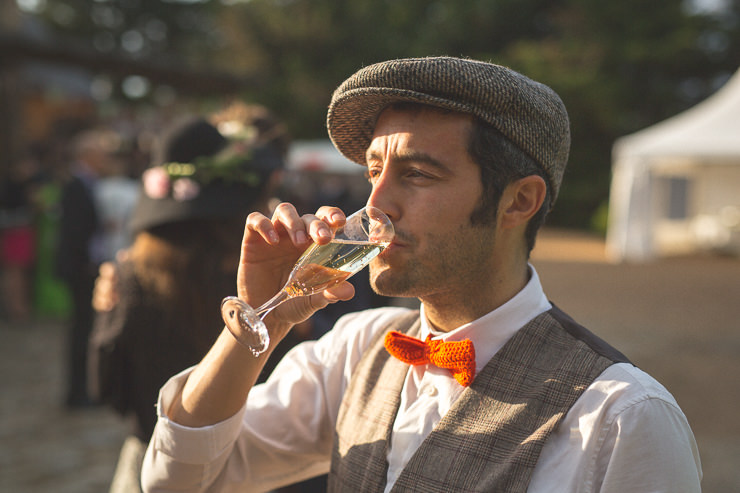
{"points": [[206, 172]]}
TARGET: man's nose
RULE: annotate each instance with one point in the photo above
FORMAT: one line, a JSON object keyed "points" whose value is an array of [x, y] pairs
{"points": [[384, 196]]}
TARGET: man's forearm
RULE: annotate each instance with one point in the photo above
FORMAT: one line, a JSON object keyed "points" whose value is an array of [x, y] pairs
{"points": [[218, 387]]}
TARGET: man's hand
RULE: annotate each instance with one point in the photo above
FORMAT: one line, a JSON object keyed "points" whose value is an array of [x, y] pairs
{"points": [[218, 386], [270, 248]]}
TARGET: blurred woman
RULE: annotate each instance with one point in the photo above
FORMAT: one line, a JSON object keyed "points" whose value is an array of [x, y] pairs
{"points": [[188, 225]]}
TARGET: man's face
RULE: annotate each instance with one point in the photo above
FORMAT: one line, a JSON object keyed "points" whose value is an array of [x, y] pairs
{"points": [[424, 179]]}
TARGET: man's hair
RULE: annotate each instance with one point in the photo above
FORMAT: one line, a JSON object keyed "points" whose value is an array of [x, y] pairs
{"points": [[501, 163]]}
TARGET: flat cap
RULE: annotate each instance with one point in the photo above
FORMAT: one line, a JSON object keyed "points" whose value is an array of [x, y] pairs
{"points": [[528, 113]]}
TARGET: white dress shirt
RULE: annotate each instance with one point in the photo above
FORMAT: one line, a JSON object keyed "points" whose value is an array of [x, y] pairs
{"points": [[625, 432]]}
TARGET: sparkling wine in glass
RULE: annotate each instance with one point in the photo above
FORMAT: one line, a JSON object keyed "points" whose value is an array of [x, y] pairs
{"points": [[364, 235]]}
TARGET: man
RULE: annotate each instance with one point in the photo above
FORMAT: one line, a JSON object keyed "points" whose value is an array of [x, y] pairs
{"points": [[79, 249], [466, 158]]}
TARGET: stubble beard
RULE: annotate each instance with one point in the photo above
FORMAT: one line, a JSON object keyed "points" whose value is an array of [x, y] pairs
{"points": [[449, 263]]}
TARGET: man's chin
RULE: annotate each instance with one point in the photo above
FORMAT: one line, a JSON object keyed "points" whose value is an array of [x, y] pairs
{"points": [[385, 284]]}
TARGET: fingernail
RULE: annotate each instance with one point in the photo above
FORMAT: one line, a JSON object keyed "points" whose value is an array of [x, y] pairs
{"points": [[324, 233], [301, 237], [274, 238]]}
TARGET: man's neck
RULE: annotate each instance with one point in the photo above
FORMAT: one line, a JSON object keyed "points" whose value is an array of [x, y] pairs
{"points": [[448, 312]]}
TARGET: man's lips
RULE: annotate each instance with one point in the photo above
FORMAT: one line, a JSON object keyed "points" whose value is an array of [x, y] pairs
{"points": [[401, 240], [392, 248]]}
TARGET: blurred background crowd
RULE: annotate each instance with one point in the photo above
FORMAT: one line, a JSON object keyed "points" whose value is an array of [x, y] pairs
{"points": [[88, 86], [130, 67], [108, 156]]}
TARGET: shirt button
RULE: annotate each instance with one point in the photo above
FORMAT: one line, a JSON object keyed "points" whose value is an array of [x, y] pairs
{"points": [[430, 390]]}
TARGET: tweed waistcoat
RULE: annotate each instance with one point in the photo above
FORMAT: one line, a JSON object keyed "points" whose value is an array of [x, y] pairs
{"points": [[492, 436]]}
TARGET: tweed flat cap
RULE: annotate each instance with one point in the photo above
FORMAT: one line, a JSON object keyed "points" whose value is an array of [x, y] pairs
{"points": [[527, 112]]}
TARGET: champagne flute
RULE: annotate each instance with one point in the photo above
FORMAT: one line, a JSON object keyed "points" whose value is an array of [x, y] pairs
{"points": [[364, 235]]}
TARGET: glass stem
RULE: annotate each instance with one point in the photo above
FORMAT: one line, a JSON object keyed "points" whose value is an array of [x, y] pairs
{"points": [[271, 304]]}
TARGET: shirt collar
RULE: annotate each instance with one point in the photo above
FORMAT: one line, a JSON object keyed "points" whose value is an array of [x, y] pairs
{"points": [[491, 331]]}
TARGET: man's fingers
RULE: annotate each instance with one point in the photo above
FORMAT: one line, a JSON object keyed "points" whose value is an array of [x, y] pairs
{"points": [[343, 291], [286, 217], [301, 230], [262, 225], [303, 307], [328, 220], [332, 215]]}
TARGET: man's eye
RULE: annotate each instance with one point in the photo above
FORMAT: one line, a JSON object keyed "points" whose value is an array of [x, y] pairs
{"points": [[371, 173], [415, 173]]}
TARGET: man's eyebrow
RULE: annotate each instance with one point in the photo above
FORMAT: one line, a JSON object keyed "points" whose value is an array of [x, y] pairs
{"points": [[409, 157]]}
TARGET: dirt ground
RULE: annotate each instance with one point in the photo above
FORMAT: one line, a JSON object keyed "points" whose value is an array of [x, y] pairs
{"points": [[678, 319]]}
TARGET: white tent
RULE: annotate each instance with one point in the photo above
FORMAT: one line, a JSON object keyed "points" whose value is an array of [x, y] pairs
{"points": [[320, 156], [676, 185]]}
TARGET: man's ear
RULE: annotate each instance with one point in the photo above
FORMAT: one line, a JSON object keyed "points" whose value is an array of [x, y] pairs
{"points": [[521, 200]]}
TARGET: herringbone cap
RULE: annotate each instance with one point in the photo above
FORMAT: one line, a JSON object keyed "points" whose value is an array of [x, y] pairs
{"points": [[527, 112]]}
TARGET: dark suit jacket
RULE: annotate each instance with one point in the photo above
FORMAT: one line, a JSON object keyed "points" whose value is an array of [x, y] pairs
{"points": [[78, 224]]}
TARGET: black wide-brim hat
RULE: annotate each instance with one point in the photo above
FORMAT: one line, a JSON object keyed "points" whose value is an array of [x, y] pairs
{"points": [[237, 194], [221, 201], [528, 113]]}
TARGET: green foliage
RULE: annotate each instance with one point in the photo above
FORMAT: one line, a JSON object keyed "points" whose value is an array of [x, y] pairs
{"points": [[619, 66]]}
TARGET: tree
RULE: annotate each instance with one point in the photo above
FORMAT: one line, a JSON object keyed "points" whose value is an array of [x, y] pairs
{"points": [[619, 66]]}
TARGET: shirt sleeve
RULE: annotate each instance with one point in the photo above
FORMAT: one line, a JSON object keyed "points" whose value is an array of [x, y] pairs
{"points": [[283, 433], [625, 433], [649, 447]]}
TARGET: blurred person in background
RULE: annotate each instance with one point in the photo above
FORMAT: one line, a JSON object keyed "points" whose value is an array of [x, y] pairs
{"points": [[188, 223], [114, 322], [18, 237], [115, 197], [79, 249]]}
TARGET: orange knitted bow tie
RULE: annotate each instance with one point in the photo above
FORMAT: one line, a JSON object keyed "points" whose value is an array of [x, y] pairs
{"points": [[456, 356]]}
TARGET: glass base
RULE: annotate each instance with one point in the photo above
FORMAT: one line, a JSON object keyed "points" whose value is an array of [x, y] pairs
{"points": [[245, 325]]}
